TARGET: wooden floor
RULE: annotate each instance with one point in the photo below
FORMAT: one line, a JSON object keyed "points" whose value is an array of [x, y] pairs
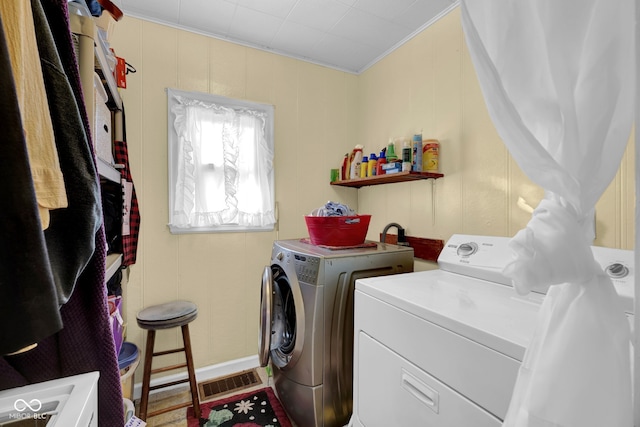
{"points": [[178, 418]]}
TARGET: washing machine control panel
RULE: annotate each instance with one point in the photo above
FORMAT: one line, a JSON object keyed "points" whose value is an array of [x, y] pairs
{"points": [[483, 257], [619, 266], [467, 249], [617, 270], [306, 268]]}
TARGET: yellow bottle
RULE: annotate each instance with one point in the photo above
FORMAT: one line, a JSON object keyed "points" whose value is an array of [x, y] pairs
{"points": [[372, 165], [364, 167]]}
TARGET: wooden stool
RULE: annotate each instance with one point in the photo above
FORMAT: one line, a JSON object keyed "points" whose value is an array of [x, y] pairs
{"points": [[166, 316]]}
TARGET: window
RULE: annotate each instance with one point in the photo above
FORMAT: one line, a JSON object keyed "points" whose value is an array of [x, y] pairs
{"points": [[220, 164]]}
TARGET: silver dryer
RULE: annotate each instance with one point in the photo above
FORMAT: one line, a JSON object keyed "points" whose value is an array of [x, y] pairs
{"points": [[306, 323]]}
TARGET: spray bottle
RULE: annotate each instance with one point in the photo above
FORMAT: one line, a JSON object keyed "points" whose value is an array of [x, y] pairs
{"points": [[391, 152]]}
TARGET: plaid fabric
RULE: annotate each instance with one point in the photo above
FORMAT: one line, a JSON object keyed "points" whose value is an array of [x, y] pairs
{"points": [[130, 242]]}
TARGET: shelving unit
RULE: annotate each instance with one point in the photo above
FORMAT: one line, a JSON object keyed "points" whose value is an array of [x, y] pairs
{"points": [[112, 87], [92, 57], [388, 179]]}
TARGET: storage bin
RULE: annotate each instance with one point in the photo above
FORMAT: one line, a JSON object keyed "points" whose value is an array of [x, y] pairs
{"points": [[116, 321], [337, 230], [128, 361]]}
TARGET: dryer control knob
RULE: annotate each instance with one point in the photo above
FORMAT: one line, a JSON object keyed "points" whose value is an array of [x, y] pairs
{"points": [[467, 249], [280, 256], [617, 270]]}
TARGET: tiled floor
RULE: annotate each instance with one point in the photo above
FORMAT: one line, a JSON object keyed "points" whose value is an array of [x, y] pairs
{"points": [[178, 417]]}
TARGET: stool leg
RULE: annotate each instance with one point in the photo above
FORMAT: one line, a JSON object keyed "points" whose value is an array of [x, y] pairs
{"points": [[146, 377], [186, 339]]}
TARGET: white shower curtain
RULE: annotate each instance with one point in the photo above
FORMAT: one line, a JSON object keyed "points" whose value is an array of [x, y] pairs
{"points": [[558, 80]]}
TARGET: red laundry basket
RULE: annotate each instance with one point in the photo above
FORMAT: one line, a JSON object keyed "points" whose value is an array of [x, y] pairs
{"points": [[337, 230]]}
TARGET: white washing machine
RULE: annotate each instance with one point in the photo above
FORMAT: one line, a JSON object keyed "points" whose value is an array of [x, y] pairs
{"points": [[306, 323], [443, 347], [63, 402]]}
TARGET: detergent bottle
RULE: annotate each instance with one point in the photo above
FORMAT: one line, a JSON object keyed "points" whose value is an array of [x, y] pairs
{"points": [[373, 162], [381, 161], [364, 167], [356, 161], [344, 168]]}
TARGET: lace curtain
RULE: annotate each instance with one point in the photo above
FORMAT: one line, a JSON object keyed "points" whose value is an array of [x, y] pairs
{"points": [[222, 165], [558, 80]]}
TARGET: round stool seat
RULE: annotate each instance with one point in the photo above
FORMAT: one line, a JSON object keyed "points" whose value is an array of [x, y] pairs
{"points": [[165, 316], [168, 315]]}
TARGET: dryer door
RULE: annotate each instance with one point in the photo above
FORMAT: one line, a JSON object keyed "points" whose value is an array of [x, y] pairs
{"points": [[278, 325], [266, 317]]}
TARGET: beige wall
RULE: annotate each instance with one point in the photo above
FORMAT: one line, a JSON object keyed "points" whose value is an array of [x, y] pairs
{"points": [[315, 119], [429, 84]]}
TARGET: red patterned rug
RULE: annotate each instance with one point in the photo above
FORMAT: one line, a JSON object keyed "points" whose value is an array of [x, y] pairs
{"points": [[259, 408]]}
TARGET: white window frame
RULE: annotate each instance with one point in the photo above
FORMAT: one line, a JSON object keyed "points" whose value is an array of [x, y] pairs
{"points": [[173, 99]]}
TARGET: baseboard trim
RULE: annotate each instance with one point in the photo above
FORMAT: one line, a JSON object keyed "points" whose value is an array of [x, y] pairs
{"points": [[202, 374]]}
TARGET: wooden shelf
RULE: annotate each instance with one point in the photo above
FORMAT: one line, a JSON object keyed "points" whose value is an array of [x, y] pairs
{"points": [[388, 179]]}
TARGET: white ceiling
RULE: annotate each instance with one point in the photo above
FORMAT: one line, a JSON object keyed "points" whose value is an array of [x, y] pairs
{"points": [[348, 35]]}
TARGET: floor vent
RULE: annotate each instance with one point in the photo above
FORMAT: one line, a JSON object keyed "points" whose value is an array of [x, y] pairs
{"points": [[224, 385]]}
